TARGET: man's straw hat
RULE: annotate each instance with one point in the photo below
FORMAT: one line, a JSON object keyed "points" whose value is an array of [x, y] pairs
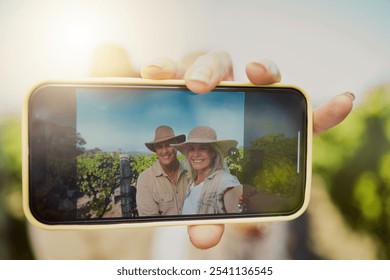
{"points": [[164, 133]]}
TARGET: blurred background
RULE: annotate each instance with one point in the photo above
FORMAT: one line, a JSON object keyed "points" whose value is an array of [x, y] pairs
{"points": [[325, 47]]}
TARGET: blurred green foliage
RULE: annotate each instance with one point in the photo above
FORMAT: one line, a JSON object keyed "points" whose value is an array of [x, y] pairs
{"points": [[354, 161], [279, 173], [269, 164], [13, 237]]}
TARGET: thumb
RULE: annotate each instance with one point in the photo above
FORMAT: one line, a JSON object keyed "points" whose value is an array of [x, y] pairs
{"points": [[205, 236], [333, 112]]}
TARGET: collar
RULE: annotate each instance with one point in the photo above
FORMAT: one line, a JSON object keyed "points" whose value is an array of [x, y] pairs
{"points": [[159, 171], [215, 173]]}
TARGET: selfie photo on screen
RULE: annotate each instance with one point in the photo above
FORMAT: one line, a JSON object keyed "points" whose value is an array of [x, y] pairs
{"points": [[141, 153]]}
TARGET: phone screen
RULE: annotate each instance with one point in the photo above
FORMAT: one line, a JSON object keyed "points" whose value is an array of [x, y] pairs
{"points": [[87, 151]]}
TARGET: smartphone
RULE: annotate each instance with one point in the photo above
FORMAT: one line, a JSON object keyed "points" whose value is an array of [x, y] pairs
{"points": [[86, 144]]}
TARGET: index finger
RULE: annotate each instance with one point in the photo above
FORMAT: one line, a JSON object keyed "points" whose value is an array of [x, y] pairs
{"points": [[208, 71], [263, 72]]}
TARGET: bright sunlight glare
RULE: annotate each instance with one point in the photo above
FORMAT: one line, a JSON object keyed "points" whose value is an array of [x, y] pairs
{"points": [[72, 34], [51, 39]]}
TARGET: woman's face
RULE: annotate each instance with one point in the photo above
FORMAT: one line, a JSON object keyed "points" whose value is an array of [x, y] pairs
{"points": [[200, 156]]}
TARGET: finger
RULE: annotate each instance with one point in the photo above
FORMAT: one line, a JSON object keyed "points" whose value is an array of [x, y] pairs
{"points": [[263, 72], [332, 113], [111, 61], [166, 68], [205, 236], [208, 71], [163, 68]]}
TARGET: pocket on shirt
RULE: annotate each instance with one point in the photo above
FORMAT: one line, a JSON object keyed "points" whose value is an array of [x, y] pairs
{"points": [[166, 204], [165, 198]]}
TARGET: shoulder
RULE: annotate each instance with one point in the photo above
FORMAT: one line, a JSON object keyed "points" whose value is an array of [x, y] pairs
{"points": [[152, 171], [226, 180], [227, 177]]}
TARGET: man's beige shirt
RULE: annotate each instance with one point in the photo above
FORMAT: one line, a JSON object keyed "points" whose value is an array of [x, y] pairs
{"points": [[157, 194]]}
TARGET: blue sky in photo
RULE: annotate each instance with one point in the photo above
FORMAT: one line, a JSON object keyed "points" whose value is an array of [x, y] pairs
{"points": [[118, 119], [112, 119]]}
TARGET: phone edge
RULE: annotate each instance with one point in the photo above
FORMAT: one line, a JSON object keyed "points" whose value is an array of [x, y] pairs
{"points": [[138, 81]]}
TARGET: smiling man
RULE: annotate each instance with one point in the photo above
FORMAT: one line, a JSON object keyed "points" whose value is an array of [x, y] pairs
{"points": [[161, 187]]}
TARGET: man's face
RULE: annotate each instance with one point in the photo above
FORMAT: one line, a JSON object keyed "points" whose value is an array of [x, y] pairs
{"points": [[165, 153]]}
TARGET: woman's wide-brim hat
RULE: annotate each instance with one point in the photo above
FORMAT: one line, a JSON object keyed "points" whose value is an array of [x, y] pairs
{"points": [[164, 133], [205, 134]]}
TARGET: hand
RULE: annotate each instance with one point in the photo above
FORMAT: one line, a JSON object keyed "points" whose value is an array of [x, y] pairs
{"points": [[202, 72]]}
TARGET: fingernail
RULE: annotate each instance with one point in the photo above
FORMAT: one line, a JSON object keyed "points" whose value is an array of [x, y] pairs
{"points": [[166, 67], [159, 69], [350, 95], [271, 68], [201, 74], [163, 64]]}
